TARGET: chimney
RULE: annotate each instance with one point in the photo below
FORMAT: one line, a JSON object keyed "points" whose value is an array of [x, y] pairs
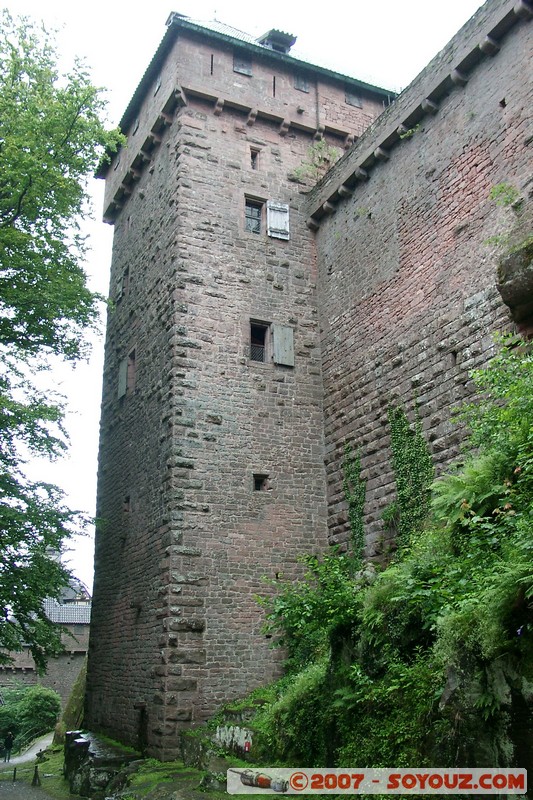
{"points": [[277, 40]]}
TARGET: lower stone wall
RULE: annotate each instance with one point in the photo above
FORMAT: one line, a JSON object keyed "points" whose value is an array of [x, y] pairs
{"points": [[61, 672]]}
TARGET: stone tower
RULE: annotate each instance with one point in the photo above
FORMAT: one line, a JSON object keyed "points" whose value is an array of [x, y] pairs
{"points": [[211, 471]]}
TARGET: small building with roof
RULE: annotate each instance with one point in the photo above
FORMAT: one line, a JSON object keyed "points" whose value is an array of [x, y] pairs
{"points": [[73, 613]]}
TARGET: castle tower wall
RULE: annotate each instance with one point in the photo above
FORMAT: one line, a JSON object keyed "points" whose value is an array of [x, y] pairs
{"points": [[408, 252], [211, 458]]}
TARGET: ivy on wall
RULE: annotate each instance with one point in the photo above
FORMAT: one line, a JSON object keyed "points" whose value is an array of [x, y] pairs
{"points": [[413, 472], [355, 491], [430, 660]]}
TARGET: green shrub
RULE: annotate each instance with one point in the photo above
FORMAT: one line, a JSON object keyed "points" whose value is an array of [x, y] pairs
{"points": [[429, 661], [388, 720], [305, 615], [294, 729], [413, 472], [29, 712]]}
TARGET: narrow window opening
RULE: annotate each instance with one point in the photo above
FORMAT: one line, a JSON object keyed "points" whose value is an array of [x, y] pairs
{"points": [[131, 373], [126, 506], [254, 158], [252, 216], [503, 103], [126, 375], [212, 62], [453, 358], [258, 341], [273, 86], [260, 482], [123, 281]]}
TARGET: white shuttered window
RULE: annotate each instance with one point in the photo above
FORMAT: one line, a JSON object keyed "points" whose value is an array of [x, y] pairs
{"points": [[277, 220], [283, 345]]}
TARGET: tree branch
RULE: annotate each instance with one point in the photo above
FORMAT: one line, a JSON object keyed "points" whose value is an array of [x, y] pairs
{"points": [[18, 211]]}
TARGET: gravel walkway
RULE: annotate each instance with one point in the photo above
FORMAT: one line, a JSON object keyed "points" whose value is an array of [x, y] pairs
{"points": [[28, 755], [20, 791]]}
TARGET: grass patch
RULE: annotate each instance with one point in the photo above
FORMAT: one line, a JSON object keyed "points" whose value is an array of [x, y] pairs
{"points": [[50, 772], [175, 775]]}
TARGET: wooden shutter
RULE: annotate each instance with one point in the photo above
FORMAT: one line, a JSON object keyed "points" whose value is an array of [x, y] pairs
{"points": [[119, 288], [242, 63], [277, 220], [283, 345], [122, 377]]}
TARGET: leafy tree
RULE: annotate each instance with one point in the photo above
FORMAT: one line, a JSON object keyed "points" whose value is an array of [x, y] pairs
{"points": [[28, 712], [51, 138]]}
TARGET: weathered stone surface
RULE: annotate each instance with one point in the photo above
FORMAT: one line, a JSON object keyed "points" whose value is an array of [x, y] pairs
{"points": [[390, 299], [178, 572], [407, 296], [515, 281]]}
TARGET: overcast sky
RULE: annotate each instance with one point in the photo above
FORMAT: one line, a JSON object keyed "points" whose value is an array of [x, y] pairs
{"points": [[385, 43]]}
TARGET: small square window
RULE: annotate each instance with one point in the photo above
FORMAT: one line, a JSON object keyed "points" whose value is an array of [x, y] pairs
{"points": [[253, 212], [258, 340], [301, 83], [242, 63], [260, 482], [353, 99]]}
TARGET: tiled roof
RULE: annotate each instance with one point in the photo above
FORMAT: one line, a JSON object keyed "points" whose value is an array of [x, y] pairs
{"points": [[67, 613]]}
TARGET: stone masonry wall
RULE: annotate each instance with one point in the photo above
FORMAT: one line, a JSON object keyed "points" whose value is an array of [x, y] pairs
{"points": [[407, 267], [62, 670], [234, 418], [185, 538], [211, 464], [199, 68]]}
